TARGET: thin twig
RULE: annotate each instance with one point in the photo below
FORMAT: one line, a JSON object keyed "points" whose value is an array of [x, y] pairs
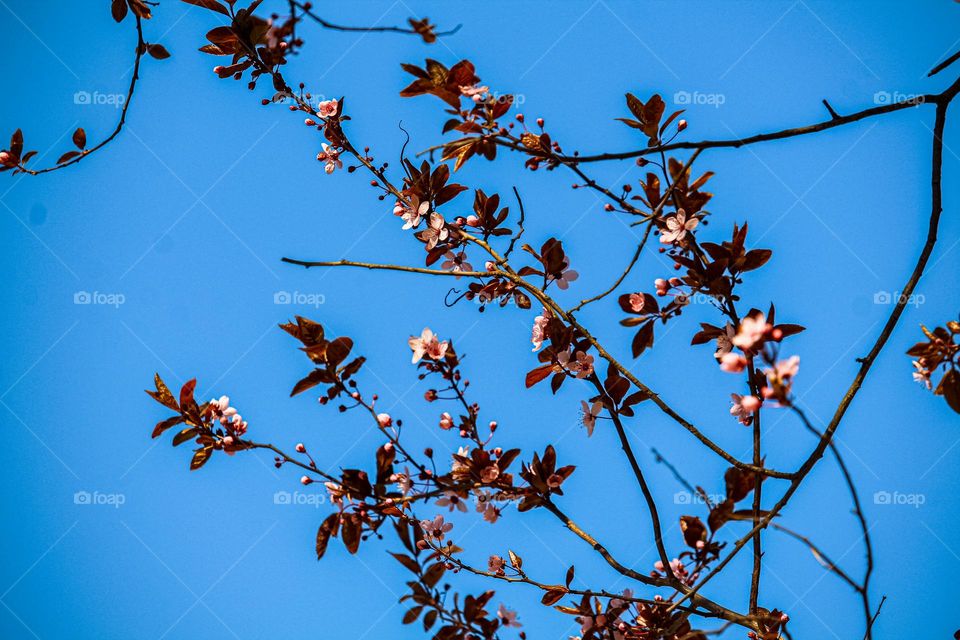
{"points": [[141, 50], [338, 27]]}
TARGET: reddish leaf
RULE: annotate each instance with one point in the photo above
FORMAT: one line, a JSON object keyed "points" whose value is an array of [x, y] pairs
{"points": [[538, 375], [200, 458], [80, 138], [327, 528], [158, 51], [69, 155], [119, 9], [213, 5]]}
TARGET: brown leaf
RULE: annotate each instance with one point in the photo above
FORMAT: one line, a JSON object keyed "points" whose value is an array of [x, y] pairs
{"points": [[187, 434], [80, 138], [162, 394], [553, 596], [163, 425], [119, 9], [158, 51], [314, 378], [213, 5], [69, 155], [327, 528], [200, 458], [538, 375], [949, 388], [412, 614]]}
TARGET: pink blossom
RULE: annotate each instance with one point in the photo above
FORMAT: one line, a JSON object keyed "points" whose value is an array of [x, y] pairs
{"points": [[403, 481], [508, 617], [636, 301], [331, 156], [435, 232], [436, 528], [589, 415], [475, 93], [744, 407], [411, 212], [456, 262], [725, 341], [452, 501], [581, 367], [427, 345], [336, 492], [327, 108], [489, 474], [678, 569], [786, 369], [567, 276], [733, 362], [220, 410], [752, 331], [662, 286], [540, 329], [677, 227], [490, 513], [384, 420], [495, 564], [446, 421]]}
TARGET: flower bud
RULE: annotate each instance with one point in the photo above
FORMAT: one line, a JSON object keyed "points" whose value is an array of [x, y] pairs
{"points": [[300, 448], [384, 419], [305, 480]]}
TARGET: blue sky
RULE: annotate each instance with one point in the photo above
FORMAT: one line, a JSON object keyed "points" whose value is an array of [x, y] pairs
{"points": [[184, 218]]}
